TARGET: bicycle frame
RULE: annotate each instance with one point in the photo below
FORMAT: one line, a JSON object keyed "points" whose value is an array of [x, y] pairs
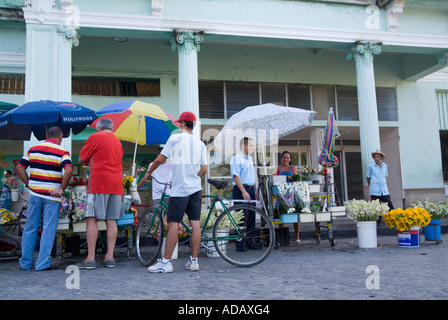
{"points": [[215, 199]]}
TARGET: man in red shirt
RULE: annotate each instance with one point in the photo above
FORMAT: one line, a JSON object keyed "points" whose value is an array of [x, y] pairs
{"points": [[103, 153]]}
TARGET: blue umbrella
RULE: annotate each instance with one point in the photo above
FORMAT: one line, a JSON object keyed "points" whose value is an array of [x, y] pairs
{"points": [[37, 116]]}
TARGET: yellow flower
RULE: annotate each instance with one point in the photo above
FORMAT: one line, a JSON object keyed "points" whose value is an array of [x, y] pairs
{"points": [[127, 182], [406, 219]]}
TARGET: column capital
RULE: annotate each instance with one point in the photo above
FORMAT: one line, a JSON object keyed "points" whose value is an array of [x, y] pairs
{"points": [[443, 58], [70, 34], [185, 40], [365, 49]]}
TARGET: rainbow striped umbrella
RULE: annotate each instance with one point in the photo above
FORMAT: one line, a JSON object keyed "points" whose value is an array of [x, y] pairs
{"points": [[138, 122], [327, 157]]}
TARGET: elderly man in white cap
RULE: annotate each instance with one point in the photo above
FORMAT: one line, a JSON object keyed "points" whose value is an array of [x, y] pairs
{"points": [[376, 178]]}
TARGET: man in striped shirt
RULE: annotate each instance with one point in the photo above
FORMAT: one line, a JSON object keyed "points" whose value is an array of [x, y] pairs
{"points": [[46, 183]]}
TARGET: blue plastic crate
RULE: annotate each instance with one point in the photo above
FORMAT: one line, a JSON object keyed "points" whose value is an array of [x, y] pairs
{"points": [[126, 220], [289, 218]]}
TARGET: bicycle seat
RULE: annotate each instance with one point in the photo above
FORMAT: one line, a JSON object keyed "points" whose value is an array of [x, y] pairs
{"points": [[218, 184]]}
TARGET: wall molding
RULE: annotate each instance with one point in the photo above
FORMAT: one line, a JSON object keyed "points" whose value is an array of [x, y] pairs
{"points": [[243, 29], [12, 59]]}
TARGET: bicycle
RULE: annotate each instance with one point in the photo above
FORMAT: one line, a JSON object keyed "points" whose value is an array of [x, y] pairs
{"points": [[237, 245], [11, 231]]}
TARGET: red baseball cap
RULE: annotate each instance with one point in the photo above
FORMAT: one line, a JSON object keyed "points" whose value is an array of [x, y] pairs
{"points": [[187, 116]]}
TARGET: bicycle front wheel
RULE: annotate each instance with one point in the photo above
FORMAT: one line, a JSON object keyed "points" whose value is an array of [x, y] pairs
{"points": [[149, 236], [250, 237]]}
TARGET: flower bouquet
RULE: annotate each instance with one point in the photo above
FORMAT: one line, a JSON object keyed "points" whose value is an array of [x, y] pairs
{"points": [[406, 219], [308, 173], [127, 182], [286, 192], [79, 200], [12, 183], [437, 210], [361, 210], [66, 206], [302, 192]]}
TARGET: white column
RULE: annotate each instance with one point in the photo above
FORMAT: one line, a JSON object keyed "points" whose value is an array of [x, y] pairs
{"points": [[362, 53], [48, 57], [187, 44]]}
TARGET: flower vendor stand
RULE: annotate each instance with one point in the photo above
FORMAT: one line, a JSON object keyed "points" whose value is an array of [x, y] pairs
{"points": [[366, 214]]}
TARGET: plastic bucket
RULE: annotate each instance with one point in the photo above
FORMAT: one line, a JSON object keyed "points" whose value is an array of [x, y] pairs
{"points": [[367, 235], [175, 252], [433, 231], [14, 195], [409, 238], [211, 250]]}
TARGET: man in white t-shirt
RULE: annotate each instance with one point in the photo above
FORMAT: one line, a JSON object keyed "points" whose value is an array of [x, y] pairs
{"points": [[188, 156], [164, 174]]}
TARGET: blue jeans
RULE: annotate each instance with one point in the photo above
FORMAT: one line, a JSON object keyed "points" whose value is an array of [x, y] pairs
{"points": [[48, 210]]}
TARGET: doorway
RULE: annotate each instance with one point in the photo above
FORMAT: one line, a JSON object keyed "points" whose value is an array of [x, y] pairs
{"points": [[348, 176]]}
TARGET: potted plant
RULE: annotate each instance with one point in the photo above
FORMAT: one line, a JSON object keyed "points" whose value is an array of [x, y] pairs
{"points": [[408, 223], [366, 214], [437, 210]]}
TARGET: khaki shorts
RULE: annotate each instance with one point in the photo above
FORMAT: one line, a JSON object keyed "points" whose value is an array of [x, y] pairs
{"points": [[104, 206]]}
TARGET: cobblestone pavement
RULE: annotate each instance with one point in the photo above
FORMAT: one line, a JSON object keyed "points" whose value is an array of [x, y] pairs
{"points": [[294, 272]]}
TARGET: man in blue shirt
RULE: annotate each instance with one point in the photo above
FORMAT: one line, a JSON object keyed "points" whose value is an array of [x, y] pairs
{"points": [[376, 179], [244, 177]]}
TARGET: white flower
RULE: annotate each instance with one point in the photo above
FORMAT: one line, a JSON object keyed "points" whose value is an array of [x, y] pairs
{"points": [[361, 210]]}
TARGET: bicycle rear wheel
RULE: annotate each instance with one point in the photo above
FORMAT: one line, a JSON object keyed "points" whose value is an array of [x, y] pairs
{"points": [[149, 236], [250, 238]]}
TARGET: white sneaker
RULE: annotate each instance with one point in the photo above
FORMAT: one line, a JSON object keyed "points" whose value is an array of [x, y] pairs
{"points": [[192, 264], [161, 267]]}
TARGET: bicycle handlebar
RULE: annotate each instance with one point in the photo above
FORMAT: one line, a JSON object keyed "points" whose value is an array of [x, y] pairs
{"points": [[164, 183]]}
